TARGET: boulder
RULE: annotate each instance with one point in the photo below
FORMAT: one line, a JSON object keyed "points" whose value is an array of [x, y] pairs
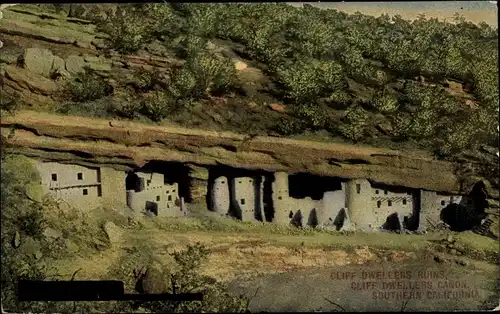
{"points": [[35, 191], [58, 64], [113, 232], [25, 79], [52, 234], [75, 64], [99, 66], [277, 107], [153, 281], [240, 65], [16, 240], [38, 61]]}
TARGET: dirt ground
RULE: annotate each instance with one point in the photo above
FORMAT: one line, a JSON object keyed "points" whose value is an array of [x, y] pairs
{"points": [[282, 272]]}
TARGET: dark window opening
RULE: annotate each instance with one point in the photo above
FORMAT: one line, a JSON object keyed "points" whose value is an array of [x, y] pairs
{"points": [[279, 197], [158, 198], [173, 191], [239, 181], [385, 192], [170, 197], [442, 203], [306, 185], [223, 182], [54, 177], [358, 188], [79, 175], [379, 203], [148, 182], [376, 191], [242, 201], [404, 201], [389, 203], [290, 215], [133, 182], [85, 192], [99, 191]]}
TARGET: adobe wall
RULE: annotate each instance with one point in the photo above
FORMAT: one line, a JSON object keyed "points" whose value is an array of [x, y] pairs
{"points": [[76, 185], [358, 195], [243, 192], [156, 191], [220, 197], [113, 187], [386, 202]]}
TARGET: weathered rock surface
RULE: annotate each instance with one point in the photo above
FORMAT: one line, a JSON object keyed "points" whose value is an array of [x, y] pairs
{"points": [[113, 232], [127, 145], [21, 78], [75, 64], [38, 61], [154, 281]]}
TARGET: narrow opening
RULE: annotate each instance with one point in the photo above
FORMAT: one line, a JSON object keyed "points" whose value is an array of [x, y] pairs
{"points": [[242, 201], [389, 203], [290, 215], [379, 203], [239, 181], [279, 197], [158, 198], [79, 175], [99, 191], [54, 177], [170, 197], [173, 191], [85, 192], [358, 188], [223, 182], [376, 191], [385, 192], [442, 203], [404, 201]]}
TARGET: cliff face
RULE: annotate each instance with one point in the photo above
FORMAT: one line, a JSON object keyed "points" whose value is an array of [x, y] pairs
{"points": [[129, 145]]}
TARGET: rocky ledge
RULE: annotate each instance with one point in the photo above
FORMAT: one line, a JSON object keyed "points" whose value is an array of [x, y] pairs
{"points": [[128, 145]]}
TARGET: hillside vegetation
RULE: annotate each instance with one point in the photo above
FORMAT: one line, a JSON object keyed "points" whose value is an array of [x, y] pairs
{"points": [[280, 70]]}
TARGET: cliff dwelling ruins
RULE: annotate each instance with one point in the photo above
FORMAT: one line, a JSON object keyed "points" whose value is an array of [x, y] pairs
{"points": [[299, 199]]}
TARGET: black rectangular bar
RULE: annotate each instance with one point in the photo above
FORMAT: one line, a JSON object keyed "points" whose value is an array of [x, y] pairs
{"points": [[85, 290], [105, 290]]}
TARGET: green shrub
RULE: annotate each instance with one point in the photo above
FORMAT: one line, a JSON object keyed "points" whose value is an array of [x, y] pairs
{"points": [[385, 102], [188, 280], [202, 75], [127, 31], [157, 106], [354, 124], [312, 116], [9, 102], [289, 126], [87, 86]]}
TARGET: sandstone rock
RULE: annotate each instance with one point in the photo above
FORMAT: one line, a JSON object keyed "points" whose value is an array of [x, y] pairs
{"points": [[462, 262], [99, 66], [252, 105], [35, 83], [16, 240], [38, 61], [385, 128], [51, 233], [196, 172], [240, 65], [277, 107], [450, 238], [34, 191], [57, 64], [113, 232], [83, 44], [75, 64], [154, 281], [98, 44], [8, 57]]}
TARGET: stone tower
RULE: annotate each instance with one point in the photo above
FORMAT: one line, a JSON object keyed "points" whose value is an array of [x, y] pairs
{"points": [[220, 198], [359, 207]]}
